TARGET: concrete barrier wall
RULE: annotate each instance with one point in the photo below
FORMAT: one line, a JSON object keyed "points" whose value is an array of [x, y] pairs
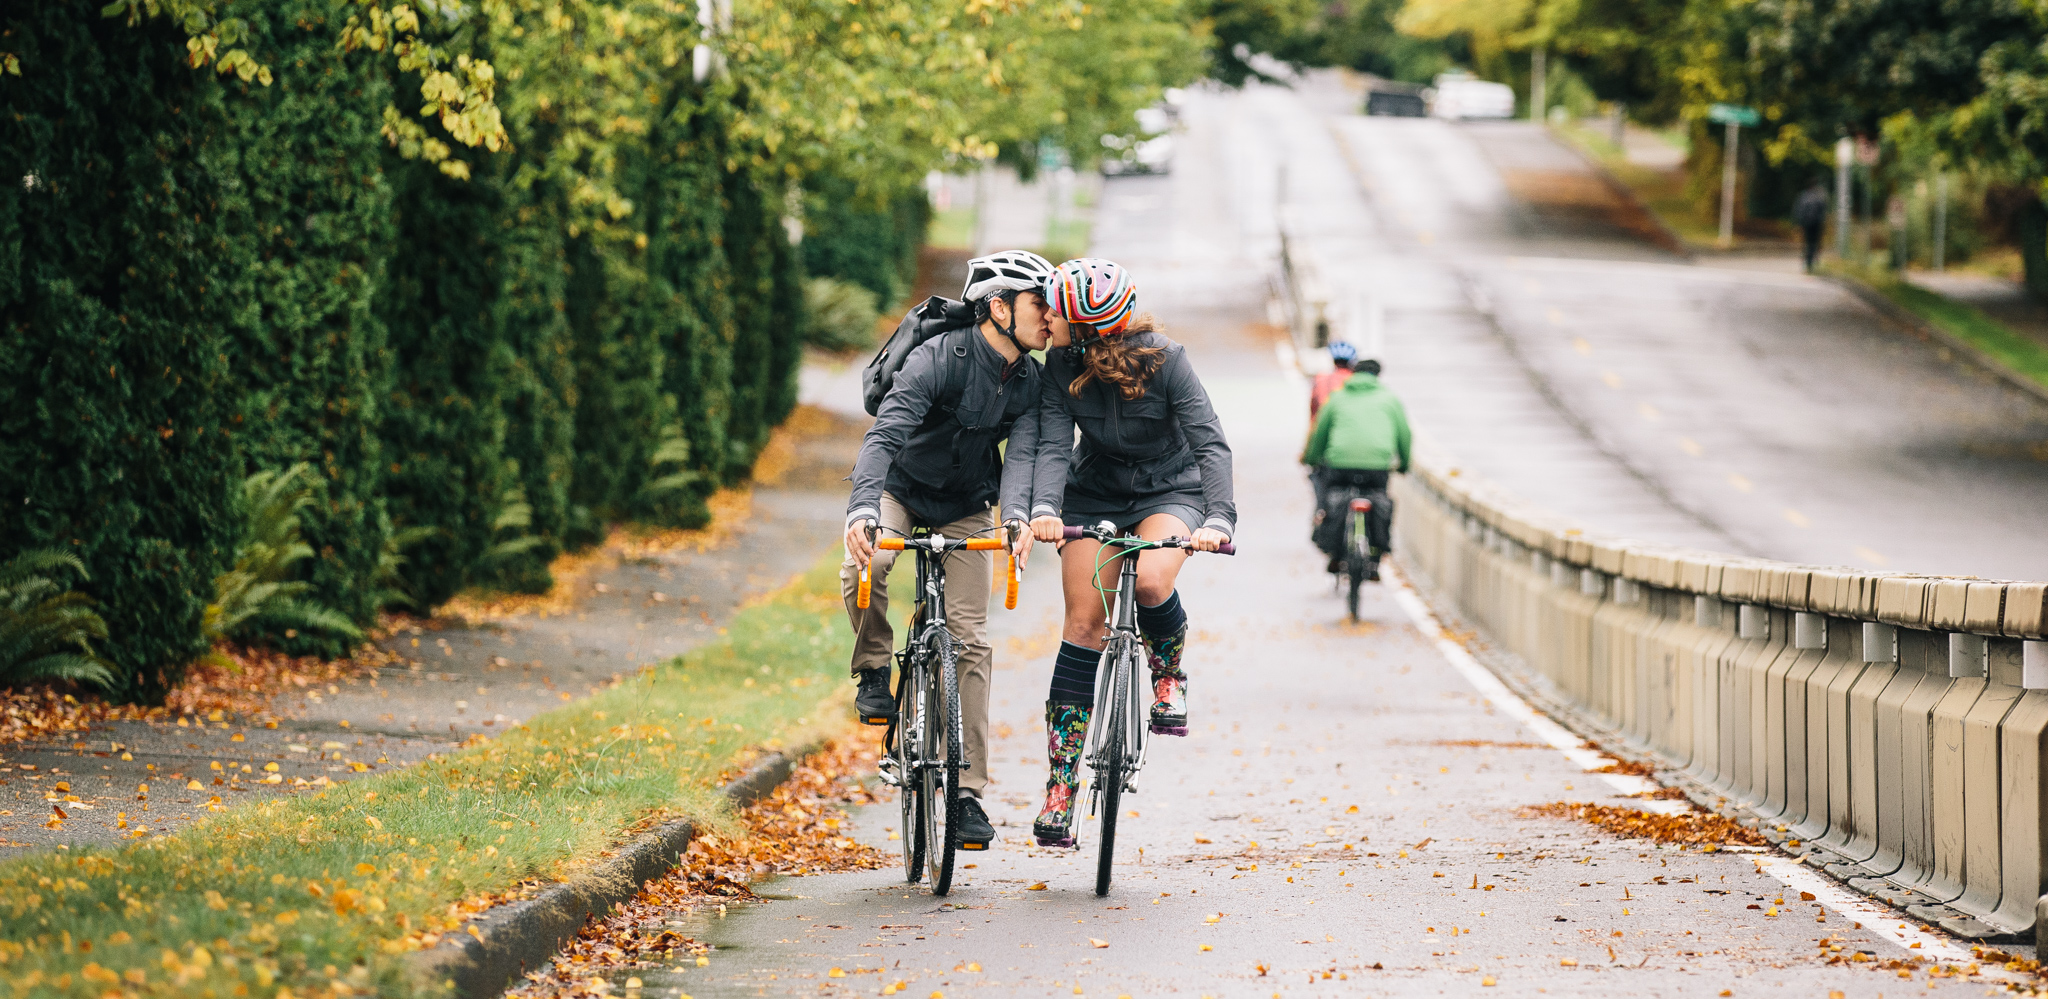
{"points": [[1890, 728]]}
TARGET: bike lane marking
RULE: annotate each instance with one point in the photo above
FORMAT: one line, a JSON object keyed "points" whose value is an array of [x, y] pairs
{"points": [[1860, 909]]}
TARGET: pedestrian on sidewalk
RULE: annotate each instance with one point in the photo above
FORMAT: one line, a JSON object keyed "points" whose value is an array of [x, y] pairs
{"points": [[1810, 213], [933, 459]]}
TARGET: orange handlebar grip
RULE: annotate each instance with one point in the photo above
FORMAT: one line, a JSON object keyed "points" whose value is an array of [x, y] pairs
{"points": [[984, 544], [1010, 597], [867, 584], [890, 544]]}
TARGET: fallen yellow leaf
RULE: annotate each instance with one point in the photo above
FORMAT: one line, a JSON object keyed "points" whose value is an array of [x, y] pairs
{"points": [[270, 768], [1097, 944], [632, 983], [1568, 963], [1037, 887], [836, 973], [1353, 810], [194, 786], [1488, 980], [1207, 947], [1214, 917]]}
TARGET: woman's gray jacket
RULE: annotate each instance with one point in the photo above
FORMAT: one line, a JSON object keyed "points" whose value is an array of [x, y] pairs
{"points": [[1165, 442]]}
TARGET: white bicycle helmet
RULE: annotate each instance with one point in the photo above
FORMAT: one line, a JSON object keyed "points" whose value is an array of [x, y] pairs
{"points": [[1005, 270]]}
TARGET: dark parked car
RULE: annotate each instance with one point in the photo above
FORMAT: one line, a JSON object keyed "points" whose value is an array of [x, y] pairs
{"points": [[1399, 103]]}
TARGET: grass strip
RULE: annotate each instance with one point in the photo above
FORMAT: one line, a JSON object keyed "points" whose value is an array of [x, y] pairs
{"points": [[2018, 352], [323, 895]]}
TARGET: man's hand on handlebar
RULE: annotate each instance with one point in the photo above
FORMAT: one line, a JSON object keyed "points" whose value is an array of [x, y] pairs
{"points": [[1020, 541], [860, 541], [1048, 529], [1208, 539]]}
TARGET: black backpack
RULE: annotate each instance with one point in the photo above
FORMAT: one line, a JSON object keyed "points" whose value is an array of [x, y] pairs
{"points": [[935, 316]]}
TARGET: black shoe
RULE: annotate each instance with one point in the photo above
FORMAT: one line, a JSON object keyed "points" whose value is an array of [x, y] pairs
{"points": [[971, 830], [1336, 565], [1372, 568], [875, 703]]}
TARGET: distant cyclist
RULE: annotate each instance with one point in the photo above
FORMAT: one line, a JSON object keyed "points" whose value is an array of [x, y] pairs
{"points": [[1151, 459], [932, 460], [1360, 436], [1341, 356]]}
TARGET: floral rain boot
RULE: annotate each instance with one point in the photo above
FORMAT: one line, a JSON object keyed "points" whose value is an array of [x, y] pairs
{"points": [[1066, 727], [1169, 683]]}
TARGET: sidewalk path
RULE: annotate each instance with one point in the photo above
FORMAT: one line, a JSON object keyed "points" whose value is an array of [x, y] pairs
{"points": [[458, 681]]}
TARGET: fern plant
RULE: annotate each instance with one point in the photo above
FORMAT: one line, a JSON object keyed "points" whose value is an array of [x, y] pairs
{"points": [[46, 628], [393, 589], [260, 586]]}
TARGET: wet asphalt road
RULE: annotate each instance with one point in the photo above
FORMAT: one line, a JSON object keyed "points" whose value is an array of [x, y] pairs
{"points": [[1343, 818]]}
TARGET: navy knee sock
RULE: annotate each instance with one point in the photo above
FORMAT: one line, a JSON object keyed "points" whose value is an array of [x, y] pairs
{"points": [[1164, 619], [1073, 675]]}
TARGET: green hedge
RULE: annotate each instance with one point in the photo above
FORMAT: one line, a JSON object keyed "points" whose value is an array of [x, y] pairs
{"points": [[310, 217], [117, 396], [870, 238], [268, 283]]}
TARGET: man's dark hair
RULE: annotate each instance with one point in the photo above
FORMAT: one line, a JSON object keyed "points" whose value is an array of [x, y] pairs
{"points": [[1370, 367], [1342, 362], [981, 309]]}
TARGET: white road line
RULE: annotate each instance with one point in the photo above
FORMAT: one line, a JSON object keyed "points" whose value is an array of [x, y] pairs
{"points": [[1854, 906]]}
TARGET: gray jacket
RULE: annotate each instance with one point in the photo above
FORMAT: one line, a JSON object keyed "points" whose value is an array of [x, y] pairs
{"points": [[935, 441], [1168, 440]]}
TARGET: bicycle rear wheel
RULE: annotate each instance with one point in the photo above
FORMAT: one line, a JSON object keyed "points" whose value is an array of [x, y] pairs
{"points": [[944, 843]]}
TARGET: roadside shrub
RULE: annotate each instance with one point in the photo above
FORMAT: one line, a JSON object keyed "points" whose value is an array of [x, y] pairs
{"points": [[839, 316]]}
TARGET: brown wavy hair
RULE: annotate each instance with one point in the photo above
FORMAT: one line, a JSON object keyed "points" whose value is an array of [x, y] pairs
{"points": [[1117, 361]]}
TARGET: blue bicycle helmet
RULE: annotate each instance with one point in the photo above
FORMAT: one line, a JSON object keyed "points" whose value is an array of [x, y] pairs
{"points": [[1343, 351]]}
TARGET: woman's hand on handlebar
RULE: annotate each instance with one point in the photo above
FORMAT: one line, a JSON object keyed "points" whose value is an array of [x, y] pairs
{"points": [[860, 543], [1208, 539], [1049, 529], [1020, 541]]}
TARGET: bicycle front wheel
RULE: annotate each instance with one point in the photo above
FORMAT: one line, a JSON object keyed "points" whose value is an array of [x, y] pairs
{"points": [[910, 726], [944, 842], [1118, 729]]}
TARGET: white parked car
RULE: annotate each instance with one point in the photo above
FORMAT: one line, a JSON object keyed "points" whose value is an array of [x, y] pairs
{"points": [[1460, 95]]}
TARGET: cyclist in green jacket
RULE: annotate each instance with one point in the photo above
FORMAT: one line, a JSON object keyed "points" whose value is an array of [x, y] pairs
{"points": [[1361, 435]]}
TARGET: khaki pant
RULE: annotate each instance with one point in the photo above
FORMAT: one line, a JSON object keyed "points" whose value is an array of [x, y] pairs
{"points": [[967, 592]]}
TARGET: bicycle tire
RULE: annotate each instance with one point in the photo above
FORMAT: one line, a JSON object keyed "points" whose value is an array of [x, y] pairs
{"points": [[1112, 800], [1356, 580], [910, 745], [949, 698], [1110, 775]]}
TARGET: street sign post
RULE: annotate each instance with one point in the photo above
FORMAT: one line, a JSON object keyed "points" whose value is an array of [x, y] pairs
{"points": [[1734, 116]]}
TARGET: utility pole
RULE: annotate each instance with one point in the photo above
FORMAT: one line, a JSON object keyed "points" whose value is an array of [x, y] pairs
{"points": [[1728, 185], [1621, 126], [1845, 154], [1940, 218], [1538, 77]]}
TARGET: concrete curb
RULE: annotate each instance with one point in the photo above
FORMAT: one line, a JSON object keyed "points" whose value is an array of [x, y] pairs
{"points": [[1911, 320], [514, 939]]}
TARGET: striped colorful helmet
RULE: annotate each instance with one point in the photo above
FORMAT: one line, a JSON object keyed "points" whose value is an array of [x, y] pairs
{"points": [[1095, 291]]}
